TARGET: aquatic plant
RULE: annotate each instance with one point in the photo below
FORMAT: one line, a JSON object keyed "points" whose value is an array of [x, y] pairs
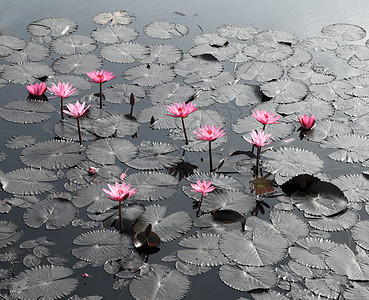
{"points": [[77, 110], [100, 77], [62, 90], [204, 188]]}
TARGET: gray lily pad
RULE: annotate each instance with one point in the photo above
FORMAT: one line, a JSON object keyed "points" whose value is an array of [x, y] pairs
{"points": [[284, 91], [342, 221], [170, 92], [68, 129], [165, 30], [125, 52], [120, 92], [359, 234], [259, 247], [9, 233], [167, 228], [28, 181], [43, 281], [320, 44], [116, 17], [347, 32], [73, 44], [149, 74], [55, 213], [52, 154], [314, 74], [242, 33], [121, 125], [26, 72], [260, 71], [160, 282], [9, 44], [204, 68], [77, 63], [245, 278], [354, 186], [163, 54], [243, 94], [32, 51], [52, 26], [326, 128], [114, 34], [99, 246], [204, 250]]}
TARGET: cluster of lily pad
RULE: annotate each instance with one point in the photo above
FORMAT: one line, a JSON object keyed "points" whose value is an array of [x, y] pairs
{"points": [[270, 235]]}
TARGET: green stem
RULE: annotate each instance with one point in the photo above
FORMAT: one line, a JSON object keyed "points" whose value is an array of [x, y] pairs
{"points": [[184, 130]]}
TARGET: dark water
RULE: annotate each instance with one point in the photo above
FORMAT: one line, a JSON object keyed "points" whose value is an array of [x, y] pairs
{"points": [[304, 19]]}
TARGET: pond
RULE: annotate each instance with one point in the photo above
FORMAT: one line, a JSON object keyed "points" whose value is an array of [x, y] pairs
{"points": [[295, 227]]}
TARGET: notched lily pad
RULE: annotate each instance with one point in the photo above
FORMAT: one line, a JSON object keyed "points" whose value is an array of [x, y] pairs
{"points": [[125, 52], [116, 17], [9, 44], [52, 26], [348, 32], [73, 44], [77, 63], [9, 233], [114, 34], [119, 125], [165, 30], [149, 74], [27, 72]]}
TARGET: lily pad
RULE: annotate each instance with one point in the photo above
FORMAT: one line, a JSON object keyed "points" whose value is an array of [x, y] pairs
{"points": [[163, 54], [27, 72], [149, 74], [119, 125], [77, 63], [43, 281], [32, 51], [165, 30], [52, 26], [242, 33], [52, 154], [284, 91], [116, 17], [354, 186], [347, 32], [120, 92], [73, 44], [170, 92], [125, 52], [339, 222], [260, 71], [9, 44], [114, 34], [9, 233]]}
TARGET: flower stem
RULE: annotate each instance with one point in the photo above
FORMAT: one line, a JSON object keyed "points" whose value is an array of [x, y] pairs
{"points": [[210, 158], [257, 160], [198, 209], [79, 131], [184, 130], [100, 95], [61, 108], [120, 217]]}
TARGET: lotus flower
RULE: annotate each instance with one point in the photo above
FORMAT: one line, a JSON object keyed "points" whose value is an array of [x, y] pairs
{"points": [[181, 110], [37, 89], [204, 188], [100, 77], [265, 117], [120, 192], [209, 133], [307, 122], [258, 139], [77, 110], [62, 90]]}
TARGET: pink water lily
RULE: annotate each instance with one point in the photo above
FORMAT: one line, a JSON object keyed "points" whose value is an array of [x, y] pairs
{"points": [[259, 139], [204, 188], [62, 90], [209, 133], [100, 76], [265, 117], [37, 89], [307, 122], [181, 110], [76, 110], [120, 192]]}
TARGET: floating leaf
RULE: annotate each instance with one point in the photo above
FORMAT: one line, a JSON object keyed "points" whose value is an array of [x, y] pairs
{"points": [[32, 51], [299, 57], [154, 156], [164, 54], [271, 38], [55, 213], [314, 74], [9, 233], [342, 221], [52, 154], [119, 125], [243, 94], [78, 63], [28, 181], [356, 291], [73, 44], [326, 128], [99, 246], [95, 197], [153, 185], [318, 286], [167, 228], [321, 198], [284, 91], [260, 71], [289, 162], [204, 68], [354, 186], [320, 44], [244, 278], [269, 295], [204, 250], [26, 111], [125, 52], [349, 51], [26, 72], [52, 26], [120, 92], [114, 34], [259, 247], [348, 32], [159, 114], [170, 92], [160, 282], [311, 252], [9, 44], [165, 30], [117, 17], [218, 180], [223, 53], [149, 74], [77, 82], [105, 151], [242, 33], [189, 269], [43, 281], [355, 266], [245, 53], [278, 52], [352, 148], [68, 129], [359, 234]]}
